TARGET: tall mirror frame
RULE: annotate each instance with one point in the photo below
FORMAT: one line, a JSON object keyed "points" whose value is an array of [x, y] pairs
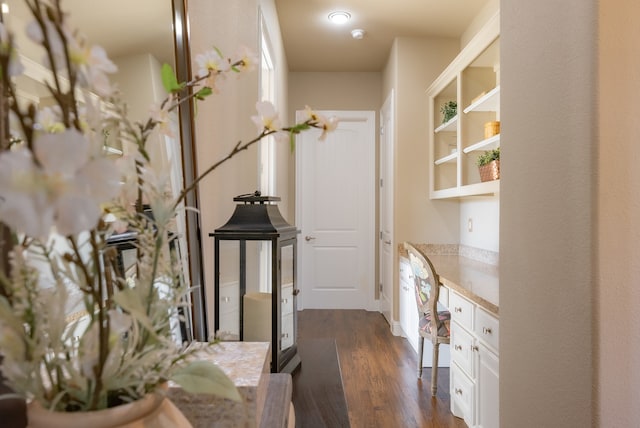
{"points": [[184, 159]]}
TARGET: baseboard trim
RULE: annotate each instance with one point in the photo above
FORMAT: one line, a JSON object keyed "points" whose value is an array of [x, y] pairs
{"points": [[396, 330]]}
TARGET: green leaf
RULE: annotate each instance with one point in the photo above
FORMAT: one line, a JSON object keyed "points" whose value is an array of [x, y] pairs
{"points": [[169, 79], [292, 141], [204, 377], [204, 92]]}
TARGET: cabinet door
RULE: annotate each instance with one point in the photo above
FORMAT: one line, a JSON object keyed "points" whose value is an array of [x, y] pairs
{"points": [[408, 309], [487, 384], [462, 395], [462, 346]]}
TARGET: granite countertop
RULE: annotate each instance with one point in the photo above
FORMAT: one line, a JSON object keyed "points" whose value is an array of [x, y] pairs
{"points": [[471, 272]]}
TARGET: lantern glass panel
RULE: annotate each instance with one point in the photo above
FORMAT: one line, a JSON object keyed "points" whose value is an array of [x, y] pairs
{"points": [[229, 295], [288, 286]]}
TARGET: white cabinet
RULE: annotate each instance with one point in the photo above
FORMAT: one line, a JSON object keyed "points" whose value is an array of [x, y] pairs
{"points": [[408, 308], [474, 370], [472, 81]]}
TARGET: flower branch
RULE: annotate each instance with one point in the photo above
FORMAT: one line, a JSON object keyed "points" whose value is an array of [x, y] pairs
{"points": [[57, 186]]}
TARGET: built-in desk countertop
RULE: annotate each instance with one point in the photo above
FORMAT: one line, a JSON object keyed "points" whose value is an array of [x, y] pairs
{"points": [[470, 272]]}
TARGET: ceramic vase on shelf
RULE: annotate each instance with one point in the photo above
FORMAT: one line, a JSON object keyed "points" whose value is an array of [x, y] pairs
{"points": [[152, 411]]}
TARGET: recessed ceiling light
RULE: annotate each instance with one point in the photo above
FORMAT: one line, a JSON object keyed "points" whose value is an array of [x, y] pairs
{"points": [[339, 17], [5, 8]]}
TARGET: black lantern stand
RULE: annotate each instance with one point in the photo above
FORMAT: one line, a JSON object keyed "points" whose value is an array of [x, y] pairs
{"points": [[257, 218]]}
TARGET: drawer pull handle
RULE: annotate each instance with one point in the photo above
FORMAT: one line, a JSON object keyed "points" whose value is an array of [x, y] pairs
{"points": [[457, 309], [458, 391], [285, 301], [285, 335], [226, 299], [475, 348], [457, 347], [486, 330]]}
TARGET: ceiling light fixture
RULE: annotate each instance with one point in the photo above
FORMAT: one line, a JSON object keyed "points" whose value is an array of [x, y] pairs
{"points": [[358, 33], [5, 8], [339, 17]]}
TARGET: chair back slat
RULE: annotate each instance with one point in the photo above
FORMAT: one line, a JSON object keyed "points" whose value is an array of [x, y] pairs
{"points": [[426, 284]]}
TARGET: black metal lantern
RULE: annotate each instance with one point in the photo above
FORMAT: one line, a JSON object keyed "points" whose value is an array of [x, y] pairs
{"points": [[255, 279]]}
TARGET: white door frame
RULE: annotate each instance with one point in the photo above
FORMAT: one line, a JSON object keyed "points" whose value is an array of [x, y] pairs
{"points": [[368, 168], [386, 249]]}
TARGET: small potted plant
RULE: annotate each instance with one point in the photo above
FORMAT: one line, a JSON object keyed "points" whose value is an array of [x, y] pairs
{"points": [[449, 110], [489, 165]]}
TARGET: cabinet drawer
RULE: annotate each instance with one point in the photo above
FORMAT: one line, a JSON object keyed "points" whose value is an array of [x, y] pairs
{"points": [[461, 310], [443, 297], [486, 329], [462, 395], [461, 347], [406, 273]]}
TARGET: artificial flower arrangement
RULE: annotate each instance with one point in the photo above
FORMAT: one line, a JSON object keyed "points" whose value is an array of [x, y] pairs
{"points": [[57, 187]]}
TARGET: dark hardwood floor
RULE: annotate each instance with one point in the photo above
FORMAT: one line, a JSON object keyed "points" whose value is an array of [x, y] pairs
{"points": [[378, 373]]}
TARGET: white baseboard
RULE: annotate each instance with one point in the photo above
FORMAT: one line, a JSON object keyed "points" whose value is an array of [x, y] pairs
{"points": [[396, 330]]}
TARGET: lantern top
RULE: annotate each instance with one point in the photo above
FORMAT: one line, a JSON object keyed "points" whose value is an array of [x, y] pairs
{"points": [[256, 218], [254, 197]]}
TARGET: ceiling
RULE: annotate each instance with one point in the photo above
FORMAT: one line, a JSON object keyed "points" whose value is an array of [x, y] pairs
{"points": [[122, 27], [312, 43]]}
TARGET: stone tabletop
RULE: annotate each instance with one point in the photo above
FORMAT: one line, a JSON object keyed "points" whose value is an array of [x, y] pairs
{"points": [[471, 272], [246, 364]]}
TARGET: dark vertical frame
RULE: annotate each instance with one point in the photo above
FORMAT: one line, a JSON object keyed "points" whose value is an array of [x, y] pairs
{"points": [[190, 172]]}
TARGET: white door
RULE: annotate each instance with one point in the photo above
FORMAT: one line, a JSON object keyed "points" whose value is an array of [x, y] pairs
{"points": [[385, 248], [335, 211]]}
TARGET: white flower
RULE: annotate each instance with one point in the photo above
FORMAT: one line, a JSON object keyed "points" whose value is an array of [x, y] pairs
{"points": [[49, 120], [327, 124], [211, 64], [162, 116], [267, 118], [93, 65], [57, 185], [247, 59]]}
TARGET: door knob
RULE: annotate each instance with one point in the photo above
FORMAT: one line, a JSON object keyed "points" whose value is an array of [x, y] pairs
{"points": [[309, 238]]}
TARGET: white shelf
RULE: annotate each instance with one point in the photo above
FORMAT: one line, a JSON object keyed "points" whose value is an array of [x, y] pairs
{"points": [[449, 158], [488, 144], [450, 125], [473, 71], [489, 101], [484, 188]]}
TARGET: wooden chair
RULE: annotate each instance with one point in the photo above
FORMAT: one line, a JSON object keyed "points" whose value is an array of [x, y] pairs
{"points": [[435, 328]]}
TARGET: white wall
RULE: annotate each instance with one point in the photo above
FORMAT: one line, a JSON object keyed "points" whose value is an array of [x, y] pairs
{"points": [[225, 118], [413, 64], [547, 223], [484, 212], [139, 80]]}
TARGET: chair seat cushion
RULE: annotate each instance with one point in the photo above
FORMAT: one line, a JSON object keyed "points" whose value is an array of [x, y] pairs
{"points": [[444, 321]]}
